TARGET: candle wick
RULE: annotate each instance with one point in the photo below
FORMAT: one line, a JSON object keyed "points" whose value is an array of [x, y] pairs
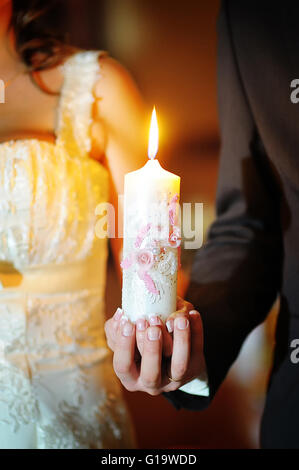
{"points": [[152, 156]]}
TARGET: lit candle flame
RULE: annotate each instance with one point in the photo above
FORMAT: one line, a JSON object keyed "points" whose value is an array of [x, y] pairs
{"points": [[153, 136]]}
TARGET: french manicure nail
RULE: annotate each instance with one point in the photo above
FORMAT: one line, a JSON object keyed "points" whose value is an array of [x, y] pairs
{"points": [[193, 312], [181, 323], [153, 334], [118, 314], [155, 320], [128, 329], [123, 320], [169, 325], [140, 324]]}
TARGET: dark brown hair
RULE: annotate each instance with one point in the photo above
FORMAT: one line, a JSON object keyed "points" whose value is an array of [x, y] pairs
{"points": [[40, 39]]}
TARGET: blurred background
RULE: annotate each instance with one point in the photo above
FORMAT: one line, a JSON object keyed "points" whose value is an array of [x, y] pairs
{"points": [[170, 48]]}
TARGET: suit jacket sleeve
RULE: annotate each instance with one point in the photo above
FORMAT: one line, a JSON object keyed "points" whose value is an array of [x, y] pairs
{"points": [[236, 275]]}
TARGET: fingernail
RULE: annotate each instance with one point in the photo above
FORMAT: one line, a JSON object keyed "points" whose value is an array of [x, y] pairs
{"points": [[169, 325], [118, 314], [128, 329], [153, 334], [155, 320], [123, 320], [140, 324], [181, 323], [194, 312]]}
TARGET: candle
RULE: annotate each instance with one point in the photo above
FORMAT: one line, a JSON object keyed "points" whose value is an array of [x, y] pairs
{"points": [[151, 237]]}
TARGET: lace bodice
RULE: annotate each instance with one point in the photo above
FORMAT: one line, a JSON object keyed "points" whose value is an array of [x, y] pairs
{"points": [[56, 382], [47, 204], [49, 191]]}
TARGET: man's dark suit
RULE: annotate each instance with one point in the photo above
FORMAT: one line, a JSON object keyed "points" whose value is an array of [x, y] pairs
{"points": [[252, 253]]}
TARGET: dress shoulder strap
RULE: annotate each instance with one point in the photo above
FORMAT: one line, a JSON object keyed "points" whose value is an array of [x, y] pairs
{"points": [[74, 114]]}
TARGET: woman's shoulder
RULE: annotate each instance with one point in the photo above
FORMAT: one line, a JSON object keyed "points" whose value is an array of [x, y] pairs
{"points": [[120, 108], [113, 78], [117, 94]]}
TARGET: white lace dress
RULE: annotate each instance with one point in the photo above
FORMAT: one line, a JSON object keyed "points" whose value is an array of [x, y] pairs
{"points": [[57, 386]]}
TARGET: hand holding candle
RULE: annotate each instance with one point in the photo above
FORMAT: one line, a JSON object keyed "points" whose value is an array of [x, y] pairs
{"points": [[150, 264], [151, 237]]}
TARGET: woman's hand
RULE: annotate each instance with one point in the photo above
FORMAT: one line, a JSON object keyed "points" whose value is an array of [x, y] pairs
{"points": [[155, 358]]}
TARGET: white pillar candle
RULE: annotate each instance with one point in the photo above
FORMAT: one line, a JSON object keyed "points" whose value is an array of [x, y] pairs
{"points": [[151, 238]]}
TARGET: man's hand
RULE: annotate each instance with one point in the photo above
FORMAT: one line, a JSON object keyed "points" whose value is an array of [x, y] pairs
{"points": [[155, 358]]}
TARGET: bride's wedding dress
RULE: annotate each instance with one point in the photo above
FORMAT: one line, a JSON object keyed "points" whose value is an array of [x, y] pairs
{"points": [[57, 385]]}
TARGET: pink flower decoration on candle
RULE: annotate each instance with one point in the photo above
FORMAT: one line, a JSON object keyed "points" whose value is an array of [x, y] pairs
{"points": [[174, 239], [149, 283], [141, 235], [144, 259]]}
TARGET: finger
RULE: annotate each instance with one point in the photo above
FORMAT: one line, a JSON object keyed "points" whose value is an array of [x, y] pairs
{"points": [[183, 305], [170, 320], [109, 335], [118, 315], [196, 362], [111, 327], [150, 371], [141, 326], [183, 308], [123, 359], [167, 341], [181, 348], [115, 321], [196, 329], [155, 320], [168, 385]]}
